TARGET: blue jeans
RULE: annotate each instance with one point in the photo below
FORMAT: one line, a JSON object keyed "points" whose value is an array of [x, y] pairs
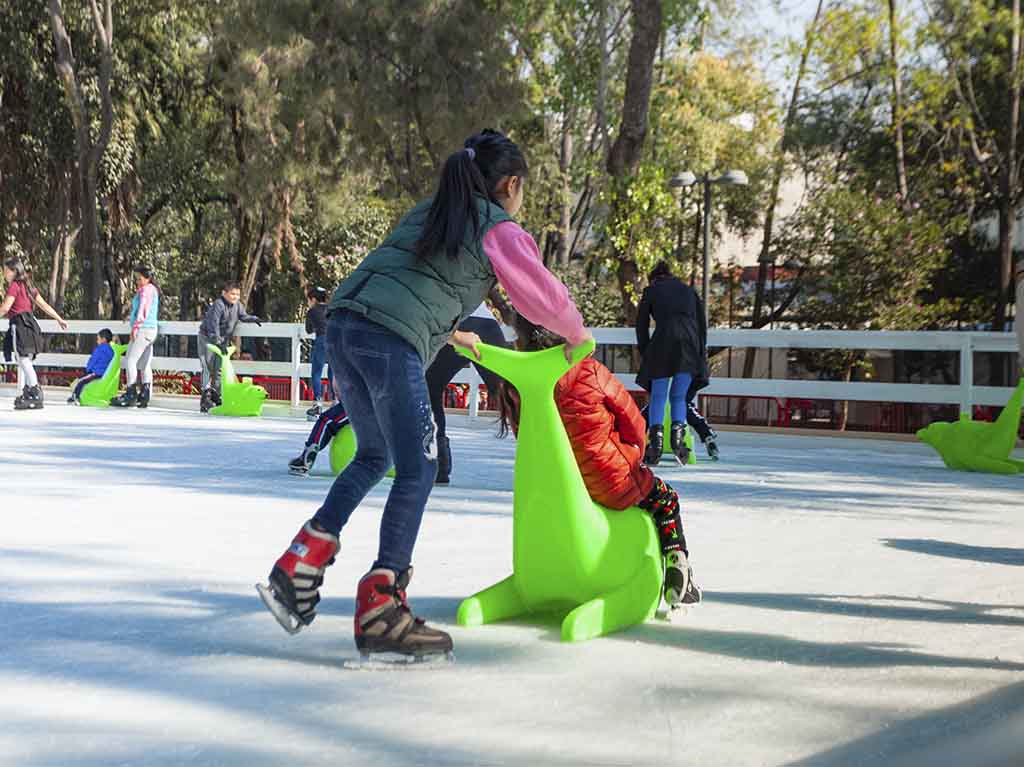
{"points": [[317, 359], [381, 381], [672, 390]]}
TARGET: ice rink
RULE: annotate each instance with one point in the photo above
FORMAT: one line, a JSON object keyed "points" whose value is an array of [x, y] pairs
{"points": [[863, 606]]}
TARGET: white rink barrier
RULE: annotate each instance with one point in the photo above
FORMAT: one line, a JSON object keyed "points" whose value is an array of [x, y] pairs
{"points": [[965, 394]]}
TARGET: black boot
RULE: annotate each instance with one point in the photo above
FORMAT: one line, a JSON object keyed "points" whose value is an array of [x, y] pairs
{"points": [[206, 401], [30, 399], [678, 441], [300, 466], [215, 396], [655, 444], [144, 394], [128, 398], [712, 446], [444, 461]]}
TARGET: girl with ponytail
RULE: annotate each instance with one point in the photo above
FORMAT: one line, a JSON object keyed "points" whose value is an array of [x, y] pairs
{"points": [[386, 323], [24, 339]]}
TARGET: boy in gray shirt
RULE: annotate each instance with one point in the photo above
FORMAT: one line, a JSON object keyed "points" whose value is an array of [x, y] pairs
{"points": [[218, 328]]}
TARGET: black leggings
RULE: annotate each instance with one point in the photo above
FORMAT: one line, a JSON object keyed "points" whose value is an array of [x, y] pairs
{"points": [[449, 362]]}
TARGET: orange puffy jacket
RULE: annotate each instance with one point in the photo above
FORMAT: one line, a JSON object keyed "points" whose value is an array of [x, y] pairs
{"points": [[607, 434]]}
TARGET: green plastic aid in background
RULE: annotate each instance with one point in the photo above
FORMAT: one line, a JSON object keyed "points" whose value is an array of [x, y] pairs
{"points": [[98, 393], [601, 569], [238, 398]]}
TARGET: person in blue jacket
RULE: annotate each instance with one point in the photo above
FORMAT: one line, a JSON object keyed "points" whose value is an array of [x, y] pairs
{"points": [[97, 365]]}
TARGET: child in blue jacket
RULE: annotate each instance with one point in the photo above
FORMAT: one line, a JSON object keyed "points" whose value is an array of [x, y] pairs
{"points": [[97, 365]]}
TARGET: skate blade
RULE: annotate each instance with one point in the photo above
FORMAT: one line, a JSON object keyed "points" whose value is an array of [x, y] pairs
{"points": [[674, 614], [296, 473], [393, 661], [288, 621]]}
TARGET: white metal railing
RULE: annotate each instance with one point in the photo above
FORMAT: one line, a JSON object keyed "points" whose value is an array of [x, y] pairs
{"points": [[965, 394]]}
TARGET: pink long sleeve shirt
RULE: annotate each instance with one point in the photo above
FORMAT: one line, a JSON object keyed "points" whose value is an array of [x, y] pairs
{"points": [[534, 291]]}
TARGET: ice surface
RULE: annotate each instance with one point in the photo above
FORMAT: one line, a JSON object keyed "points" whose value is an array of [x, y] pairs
{"points": [[863, 605]]}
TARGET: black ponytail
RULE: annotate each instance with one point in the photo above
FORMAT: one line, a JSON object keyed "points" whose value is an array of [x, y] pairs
{"points": [[21, 273], [148, 272], [474, 171]]}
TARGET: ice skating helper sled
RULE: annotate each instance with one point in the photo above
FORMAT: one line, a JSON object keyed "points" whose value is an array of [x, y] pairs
{"points": [[967, 445], [98, 393], [238, 398], [343, 450], [602, 569]]}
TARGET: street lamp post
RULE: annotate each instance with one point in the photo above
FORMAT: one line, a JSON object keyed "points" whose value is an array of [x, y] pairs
{"points": [[685, 179]]}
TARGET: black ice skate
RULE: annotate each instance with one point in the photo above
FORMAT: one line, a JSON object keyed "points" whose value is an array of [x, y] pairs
{"points": [[655, 444], [31, 399], [314, 412], [301, 466], [712, 447], [678, 442], [387, 633], [128, 398], [206, 401], [444, 462], [144, 395]]}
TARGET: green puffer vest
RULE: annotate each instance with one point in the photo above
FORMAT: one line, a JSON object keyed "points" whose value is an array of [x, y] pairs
{"points": [[422, 302]]}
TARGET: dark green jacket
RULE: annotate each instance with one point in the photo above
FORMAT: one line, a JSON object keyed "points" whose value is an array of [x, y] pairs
{"points": [[422, 302]]}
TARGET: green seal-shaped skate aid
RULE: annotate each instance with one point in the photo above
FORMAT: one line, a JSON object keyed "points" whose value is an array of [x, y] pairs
{"points": [[98, 393], [599, 568], [343, 450], [239, 398], [967, 445], [667, 430]]}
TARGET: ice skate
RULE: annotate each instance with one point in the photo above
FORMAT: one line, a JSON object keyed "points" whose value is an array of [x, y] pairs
{"points": [[444, 461], [292, 592], [314, 412], [31, 399], [386, 631], [678, 442], [712, 447], [144, 395], [127, 399], [301, 466], [206, 401], [680, 590], [655, 444]]}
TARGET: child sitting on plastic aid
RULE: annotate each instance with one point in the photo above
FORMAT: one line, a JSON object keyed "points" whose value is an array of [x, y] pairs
{"points": [[96, 367], [608, 436], [327, 426]]}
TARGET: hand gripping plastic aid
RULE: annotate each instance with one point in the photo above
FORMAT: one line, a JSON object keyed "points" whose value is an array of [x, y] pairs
{"points": [[599, 568], [967, 445], [343, 450], [238, 398], [98, 393]]}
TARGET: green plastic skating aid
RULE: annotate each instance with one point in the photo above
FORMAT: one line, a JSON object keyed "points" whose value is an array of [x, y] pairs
{"points": [[600, 569], [343, 450], [238, 398], [688, 439], [98, 393], [967, 445]]}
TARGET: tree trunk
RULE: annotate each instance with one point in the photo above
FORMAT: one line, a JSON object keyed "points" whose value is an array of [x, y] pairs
{"points": [[628, 147], [90, 154], [601, 98], [897, 105], [564, 166], [1008, 178]]}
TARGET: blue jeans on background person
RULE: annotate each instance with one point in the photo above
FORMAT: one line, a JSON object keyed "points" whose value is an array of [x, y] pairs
{"points": [[380, 379], [672, 390], [317, 360]]}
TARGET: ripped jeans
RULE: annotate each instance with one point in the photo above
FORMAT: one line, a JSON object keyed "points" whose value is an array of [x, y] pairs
{"points": [[381, 381]]}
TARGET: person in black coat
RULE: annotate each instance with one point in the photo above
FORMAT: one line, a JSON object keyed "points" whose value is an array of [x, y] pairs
{"points": [[674, 360]]}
